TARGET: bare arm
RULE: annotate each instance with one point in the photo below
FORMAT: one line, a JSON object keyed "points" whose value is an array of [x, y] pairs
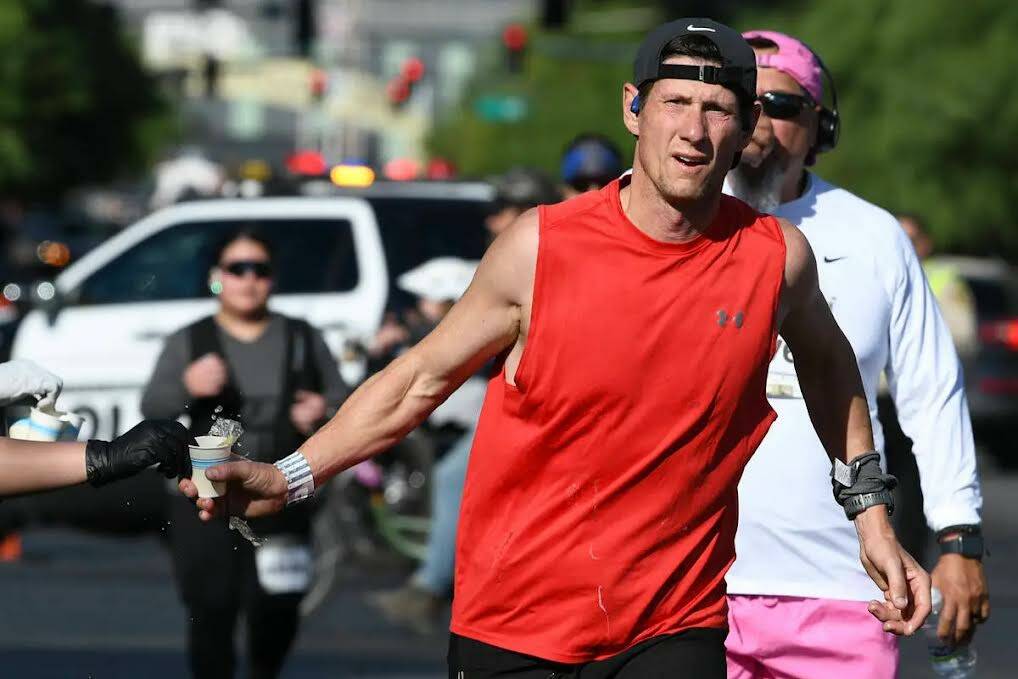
{"points": [[483, 324], [824, 360], [30, 466], [829, 376]]}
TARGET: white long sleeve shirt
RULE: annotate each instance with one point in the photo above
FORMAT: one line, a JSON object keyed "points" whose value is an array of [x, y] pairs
{"points": [[793, 538]]}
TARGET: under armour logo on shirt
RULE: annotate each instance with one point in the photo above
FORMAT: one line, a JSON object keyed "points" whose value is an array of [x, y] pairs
{"points": [[736, 320]]}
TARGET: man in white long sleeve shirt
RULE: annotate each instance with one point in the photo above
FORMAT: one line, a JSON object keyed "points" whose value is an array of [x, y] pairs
{"points": [[797, 593]]}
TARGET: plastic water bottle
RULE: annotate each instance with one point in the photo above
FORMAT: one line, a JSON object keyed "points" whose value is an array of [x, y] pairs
{"points": [[946, 659]]}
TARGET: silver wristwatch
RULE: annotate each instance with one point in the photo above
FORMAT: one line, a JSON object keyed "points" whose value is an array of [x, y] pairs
{"points": [[300, 483]]}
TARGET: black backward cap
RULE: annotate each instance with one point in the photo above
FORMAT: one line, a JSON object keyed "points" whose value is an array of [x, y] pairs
{"points": [[738, 68]]}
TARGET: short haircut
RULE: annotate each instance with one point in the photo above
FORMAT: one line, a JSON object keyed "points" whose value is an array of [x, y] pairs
{"points": [[699, 47], [242, 233]]}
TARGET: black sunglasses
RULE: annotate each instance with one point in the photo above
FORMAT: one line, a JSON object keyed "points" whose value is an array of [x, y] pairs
{"points": [[240, 267], [784, 105]]}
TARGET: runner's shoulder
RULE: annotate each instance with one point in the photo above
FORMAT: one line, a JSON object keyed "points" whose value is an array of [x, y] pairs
{"points": [[800, 263], [513, 254]]}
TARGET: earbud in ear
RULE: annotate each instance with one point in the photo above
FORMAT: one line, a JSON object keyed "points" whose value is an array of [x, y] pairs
{"points": [[215, 286], [634, 107]]}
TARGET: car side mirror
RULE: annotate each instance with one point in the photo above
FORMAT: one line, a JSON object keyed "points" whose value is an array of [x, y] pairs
{"points": [[48, 299]]}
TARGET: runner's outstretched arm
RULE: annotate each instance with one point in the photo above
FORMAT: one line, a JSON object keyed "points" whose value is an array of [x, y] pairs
{"points": [[484, 323], [829, 376]]}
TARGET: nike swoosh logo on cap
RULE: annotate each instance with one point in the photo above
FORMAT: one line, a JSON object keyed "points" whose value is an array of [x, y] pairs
{"points": [[834, 259], [691, 27]]}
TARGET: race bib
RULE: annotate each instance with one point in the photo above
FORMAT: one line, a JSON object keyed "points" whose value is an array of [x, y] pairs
{"points": [[783, 385], [782, 381], [284, 565]]}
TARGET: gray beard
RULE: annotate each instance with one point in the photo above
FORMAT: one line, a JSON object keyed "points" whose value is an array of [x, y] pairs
{"points": [[760, 188]]}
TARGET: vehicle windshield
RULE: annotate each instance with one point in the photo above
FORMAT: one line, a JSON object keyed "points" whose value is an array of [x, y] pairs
{"points": [[994, 298], [419, 229]]}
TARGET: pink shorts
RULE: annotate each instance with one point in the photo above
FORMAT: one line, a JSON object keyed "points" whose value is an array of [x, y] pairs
{"points": [[784, 637]]}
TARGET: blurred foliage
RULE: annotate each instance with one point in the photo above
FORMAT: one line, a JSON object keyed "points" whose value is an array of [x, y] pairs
{"points": [[76, 107], [565, 96], [928, 106], [572, 82], [927, 102]]}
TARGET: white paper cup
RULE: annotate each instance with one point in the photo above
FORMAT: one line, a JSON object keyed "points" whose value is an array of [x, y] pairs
{"points": [[210, 451], [21, 429], [44, 425], [72, 426]]}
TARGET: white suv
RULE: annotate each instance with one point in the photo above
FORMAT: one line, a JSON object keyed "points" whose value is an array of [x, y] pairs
{"points": [[336, 257]]}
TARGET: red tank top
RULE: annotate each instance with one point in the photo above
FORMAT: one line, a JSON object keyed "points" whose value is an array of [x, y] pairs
{"points": [[600, 504]]}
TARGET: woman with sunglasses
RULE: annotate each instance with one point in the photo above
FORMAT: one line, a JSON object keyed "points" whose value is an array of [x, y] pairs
{"points": [[278, 378]]}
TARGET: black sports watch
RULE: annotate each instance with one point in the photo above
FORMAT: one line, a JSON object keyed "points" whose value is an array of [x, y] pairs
{"points": [[857, 504], [966, 540]]}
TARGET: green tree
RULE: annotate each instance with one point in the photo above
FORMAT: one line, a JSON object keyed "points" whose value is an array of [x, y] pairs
{"points": [[928, 106], [76, 106], [572, 83], [567, 91], [927, 101]]}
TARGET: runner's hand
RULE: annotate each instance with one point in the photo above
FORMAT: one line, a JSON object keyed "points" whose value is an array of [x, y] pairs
{"points": [[253, 489], [966, 600], [905, 584]]}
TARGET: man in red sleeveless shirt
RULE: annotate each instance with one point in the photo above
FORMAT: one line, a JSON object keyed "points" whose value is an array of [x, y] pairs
{"points": [[634, 326]]}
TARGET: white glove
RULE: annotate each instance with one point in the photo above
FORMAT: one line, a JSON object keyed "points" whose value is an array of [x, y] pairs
{"points": [[24, 378]]}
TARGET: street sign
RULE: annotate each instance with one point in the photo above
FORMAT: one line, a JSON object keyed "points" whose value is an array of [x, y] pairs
{"points": [[506, 108]]}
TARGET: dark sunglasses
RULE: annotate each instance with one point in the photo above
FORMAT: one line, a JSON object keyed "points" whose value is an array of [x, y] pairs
{"points": [[784, 105], [239, 268]]}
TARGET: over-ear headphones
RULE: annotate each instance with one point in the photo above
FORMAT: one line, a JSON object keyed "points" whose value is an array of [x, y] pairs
{"points": [[634, 107], [829, 122]]}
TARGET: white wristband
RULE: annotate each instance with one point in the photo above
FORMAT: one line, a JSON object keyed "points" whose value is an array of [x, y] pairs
{"points": [[300, 483]]}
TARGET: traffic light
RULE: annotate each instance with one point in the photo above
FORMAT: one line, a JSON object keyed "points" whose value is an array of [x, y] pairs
{"points": [[319, 84], [400, 88], [397, 92], [304, 30], [514, 37], [413, 70], [555, 14]]}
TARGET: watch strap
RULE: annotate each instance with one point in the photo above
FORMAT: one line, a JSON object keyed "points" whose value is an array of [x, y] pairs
{"points": [[969, 545], [857, 504]]}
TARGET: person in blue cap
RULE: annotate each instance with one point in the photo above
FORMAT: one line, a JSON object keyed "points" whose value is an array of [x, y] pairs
{"points": [[589, 162]]}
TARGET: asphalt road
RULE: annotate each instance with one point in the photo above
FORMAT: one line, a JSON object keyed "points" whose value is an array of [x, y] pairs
{"points": [[82, 606], [105, 608]]}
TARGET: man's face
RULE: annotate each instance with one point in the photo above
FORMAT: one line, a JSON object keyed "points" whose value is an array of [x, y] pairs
{"points": [[689, 133], [778, 148], [782, 142]]}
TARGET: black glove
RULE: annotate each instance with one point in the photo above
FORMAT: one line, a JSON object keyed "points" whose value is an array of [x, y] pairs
{"points": [[162, 442]]}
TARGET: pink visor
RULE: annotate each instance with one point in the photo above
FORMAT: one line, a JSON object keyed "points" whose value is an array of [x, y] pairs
{"points": [[793, 58]]}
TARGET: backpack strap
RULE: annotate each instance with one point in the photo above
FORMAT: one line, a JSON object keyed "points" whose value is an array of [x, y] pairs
{"points": [[303, 362], [204, 339], [302, 372]]}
